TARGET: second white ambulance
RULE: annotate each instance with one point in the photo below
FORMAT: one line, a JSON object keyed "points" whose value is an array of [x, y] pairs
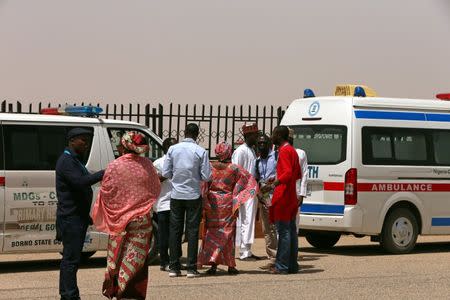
{"points": [[378, 167]]}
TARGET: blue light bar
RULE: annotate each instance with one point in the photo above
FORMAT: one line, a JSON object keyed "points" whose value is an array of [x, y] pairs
{"points": [[308, 93], [85, 111], [359, 92]]}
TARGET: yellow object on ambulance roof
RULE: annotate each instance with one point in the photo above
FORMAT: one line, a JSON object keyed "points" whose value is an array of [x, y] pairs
{"points": [[349, 90]]}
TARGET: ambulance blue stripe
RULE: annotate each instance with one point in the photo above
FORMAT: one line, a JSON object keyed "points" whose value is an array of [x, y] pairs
{"points": [[440, 221], [389, 115], [318, 209], [399, 115]]}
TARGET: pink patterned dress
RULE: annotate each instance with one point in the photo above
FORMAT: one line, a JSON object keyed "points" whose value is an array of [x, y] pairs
{"points": [[230, 187], [129, 189]]}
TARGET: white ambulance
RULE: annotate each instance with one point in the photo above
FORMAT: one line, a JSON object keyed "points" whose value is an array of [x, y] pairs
{"points": [[378, 167], [30, 144]]}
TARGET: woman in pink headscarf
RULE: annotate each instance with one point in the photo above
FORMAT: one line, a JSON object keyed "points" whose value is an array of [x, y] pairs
{"points": [[230, 187], [129, 189]]}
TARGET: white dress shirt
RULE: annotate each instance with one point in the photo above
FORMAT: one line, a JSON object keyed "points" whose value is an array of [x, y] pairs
{"points": [[187, 164], [163, 203], [301, 183]]}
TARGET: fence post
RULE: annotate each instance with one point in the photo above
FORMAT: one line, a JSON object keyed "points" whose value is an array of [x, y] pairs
{"points": [[160, 120], [280, 114], [233, 126], [154, 119], [147, 115], [178, 121]]}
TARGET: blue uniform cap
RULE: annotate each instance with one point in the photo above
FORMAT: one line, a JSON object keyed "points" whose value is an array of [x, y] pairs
{"points": [[78, 131]]}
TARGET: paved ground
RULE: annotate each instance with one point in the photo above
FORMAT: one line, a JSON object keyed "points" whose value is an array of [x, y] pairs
{"points": [[355, 268]]}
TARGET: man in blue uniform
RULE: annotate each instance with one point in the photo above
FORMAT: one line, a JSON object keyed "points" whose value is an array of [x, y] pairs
{"points": [[74, 192]]}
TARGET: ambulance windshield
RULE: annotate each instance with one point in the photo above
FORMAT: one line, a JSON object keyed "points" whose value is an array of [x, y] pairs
{"points": [[323, 144]]}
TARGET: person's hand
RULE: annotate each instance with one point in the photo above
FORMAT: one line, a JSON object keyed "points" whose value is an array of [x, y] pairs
{"points": [[265, 189], [300, 200]]}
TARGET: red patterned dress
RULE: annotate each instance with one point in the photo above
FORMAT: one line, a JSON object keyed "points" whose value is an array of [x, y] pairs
{"points": [[230, 187], [129, 189]]}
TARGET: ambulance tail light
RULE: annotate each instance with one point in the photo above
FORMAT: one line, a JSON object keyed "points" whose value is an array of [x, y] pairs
{"points": [[351, 187], [443, 96], [308, 93]]}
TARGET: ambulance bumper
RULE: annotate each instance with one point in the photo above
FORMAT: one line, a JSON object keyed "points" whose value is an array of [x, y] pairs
{"points": [[348, 220]]}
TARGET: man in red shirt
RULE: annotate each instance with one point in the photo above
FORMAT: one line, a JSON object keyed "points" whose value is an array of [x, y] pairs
{"points": [[285, 203]]}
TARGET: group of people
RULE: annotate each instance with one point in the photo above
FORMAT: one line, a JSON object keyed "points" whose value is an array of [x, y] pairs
{"points": [[181, 187]]}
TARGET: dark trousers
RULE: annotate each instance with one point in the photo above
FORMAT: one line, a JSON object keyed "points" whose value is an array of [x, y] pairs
{"points": [[163, 236], [193, 211], [287, 253], [72, 231]]}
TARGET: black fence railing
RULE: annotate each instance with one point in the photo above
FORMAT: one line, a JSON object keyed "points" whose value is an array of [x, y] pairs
{"points": [[216, 122]]}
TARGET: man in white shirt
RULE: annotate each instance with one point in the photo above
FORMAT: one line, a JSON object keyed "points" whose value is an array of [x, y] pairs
{"points": [[187, 164], [301, 183], [245, 157], [162, 207]]}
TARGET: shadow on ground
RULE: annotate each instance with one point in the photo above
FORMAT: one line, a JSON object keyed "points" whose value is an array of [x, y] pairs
{"points": [[46, 265], [376, 250]]}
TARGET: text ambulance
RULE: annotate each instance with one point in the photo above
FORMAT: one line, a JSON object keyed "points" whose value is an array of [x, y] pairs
{"points": [[29, 148], [379, 167]]}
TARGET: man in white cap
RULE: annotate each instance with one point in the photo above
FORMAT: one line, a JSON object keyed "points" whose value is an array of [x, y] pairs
{"points": [[245, 157]]}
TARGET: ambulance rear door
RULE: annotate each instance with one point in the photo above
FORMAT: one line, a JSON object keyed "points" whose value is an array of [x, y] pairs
{"points": [[322, 128]]}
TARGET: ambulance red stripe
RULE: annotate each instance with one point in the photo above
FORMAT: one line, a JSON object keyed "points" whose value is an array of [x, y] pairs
{"points": [[391, 187]]}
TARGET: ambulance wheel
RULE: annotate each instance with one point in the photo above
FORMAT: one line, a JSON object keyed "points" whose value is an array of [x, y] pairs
{"points": [[322, 239], [400, 231]]}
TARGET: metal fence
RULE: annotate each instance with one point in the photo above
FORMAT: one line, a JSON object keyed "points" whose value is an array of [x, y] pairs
{"points": [[216, 122]]}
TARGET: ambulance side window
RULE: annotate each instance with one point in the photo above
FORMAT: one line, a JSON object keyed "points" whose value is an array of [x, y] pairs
{"points": [[2, 166], [115, 135], [396, 146], [31, 147], [441, 146]]}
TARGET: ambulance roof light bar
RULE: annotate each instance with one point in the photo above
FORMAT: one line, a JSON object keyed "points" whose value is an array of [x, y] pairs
{"points": [[308, 93], [443, 96], [354, 90], [81, 111]]}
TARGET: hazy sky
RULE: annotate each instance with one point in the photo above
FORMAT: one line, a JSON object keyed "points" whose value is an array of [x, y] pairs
{"points": [[220, 51]]}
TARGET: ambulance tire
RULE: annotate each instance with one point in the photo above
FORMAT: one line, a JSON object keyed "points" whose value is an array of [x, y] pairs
{"points": [[400, 231], [322, 239]]}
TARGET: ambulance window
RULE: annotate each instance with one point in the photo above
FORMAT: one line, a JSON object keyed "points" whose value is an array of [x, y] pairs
{"points": [[409, 146], [324, 144], [31, 147], [381, 146], [395, 146], [2, 166], [115, 135], [441, 146]]}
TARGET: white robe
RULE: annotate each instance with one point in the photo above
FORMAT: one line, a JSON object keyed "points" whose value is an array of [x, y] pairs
{"points": [[301, 183], [245, 157]]}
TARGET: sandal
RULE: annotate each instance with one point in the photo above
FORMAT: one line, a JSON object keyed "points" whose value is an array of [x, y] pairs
{"points": [[212, 271], [232, 271]]}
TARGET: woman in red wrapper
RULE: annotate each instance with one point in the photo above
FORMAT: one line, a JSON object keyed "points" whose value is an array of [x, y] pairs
{"points": [[230, 187], [129, 189]]}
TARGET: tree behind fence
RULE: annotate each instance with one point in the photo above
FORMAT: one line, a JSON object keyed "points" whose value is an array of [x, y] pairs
{"points": [[216, 122]]}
